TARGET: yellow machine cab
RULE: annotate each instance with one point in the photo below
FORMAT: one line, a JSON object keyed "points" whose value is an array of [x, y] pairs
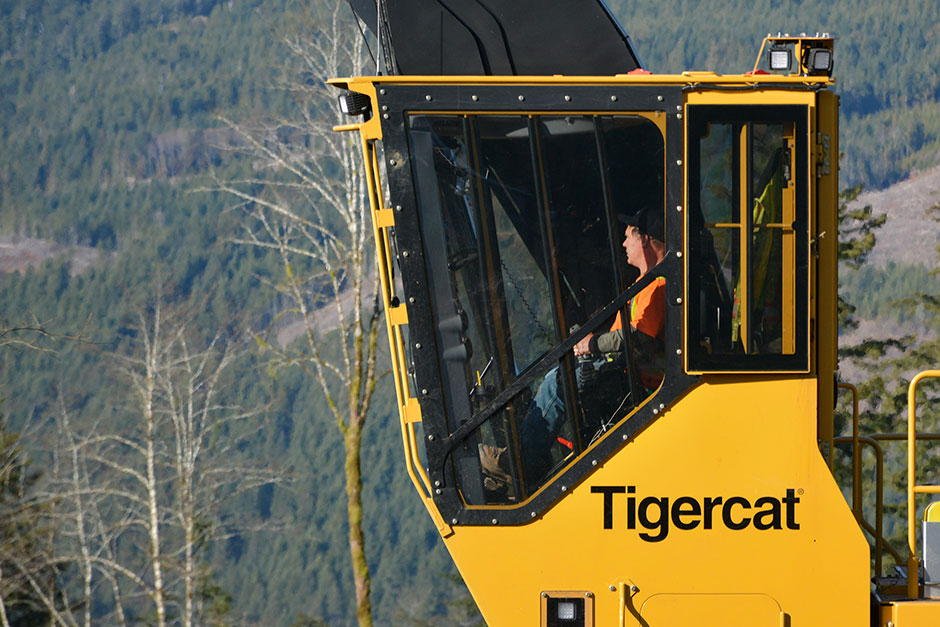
{"points": [[611, 306]]}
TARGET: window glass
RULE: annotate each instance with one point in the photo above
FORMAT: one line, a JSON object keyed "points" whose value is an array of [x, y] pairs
{"points": [[515, 241], [767, 147], [523, 248], [746, 262]]}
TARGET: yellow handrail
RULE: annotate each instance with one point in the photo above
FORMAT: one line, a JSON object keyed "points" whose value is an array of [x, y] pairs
{"points": [[913, 564], [410, 412]]}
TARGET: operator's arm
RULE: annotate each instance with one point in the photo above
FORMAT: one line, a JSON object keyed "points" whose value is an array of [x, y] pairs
{"points": [[648, 319]]}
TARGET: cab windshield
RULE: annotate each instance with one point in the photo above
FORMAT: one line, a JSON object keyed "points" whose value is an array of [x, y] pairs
{"points": [[523, 242]]}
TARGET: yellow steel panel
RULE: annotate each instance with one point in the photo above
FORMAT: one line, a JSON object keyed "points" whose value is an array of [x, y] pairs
{"points": [[770, 80], [824, 188], [712, 610], [932, 513], [730, 436], [757, 96], [910, 614]]}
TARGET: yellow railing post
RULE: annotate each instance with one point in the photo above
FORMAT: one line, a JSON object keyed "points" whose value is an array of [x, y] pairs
{"points": [[913, 564]]}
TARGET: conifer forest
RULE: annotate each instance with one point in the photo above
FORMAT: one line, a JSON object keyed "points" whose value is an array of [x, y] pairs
{"points": [[190, 341]]}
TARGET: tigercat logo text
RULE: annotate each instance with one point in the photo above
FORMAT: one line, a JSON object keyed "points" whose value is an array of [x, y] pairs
{"points": [[656, 514]]}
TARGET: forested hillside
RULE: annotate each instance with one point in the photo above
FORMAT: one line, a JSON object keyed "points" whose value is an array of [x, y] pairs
{"points": [[109, 120], [884, 62]]}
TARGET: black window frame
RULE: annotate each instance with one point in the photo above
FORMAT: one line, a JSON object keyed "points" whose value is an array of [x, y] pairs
{"points": [[440, 438], [799, 362]]}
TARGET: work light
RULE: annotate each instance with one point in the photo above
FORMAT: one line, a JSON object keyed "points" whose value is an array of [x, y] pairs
{"points": [[780, 58], [819, 61], [566, 612], [354, 103]]}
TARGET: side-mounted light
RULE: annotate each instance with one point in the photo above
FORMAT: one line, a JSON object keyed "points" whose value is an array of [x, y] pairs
{"points": [[354, 103]]}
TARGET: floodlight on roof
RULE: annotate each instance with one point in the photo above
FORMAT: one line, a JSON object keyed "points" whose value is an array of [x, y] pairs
{"points": [[780, 58], [819, 61]]}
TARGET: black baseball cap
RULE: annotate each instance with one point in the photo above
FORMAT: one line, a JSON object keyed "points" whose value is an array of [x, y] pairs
{"points": [[647, 222]]}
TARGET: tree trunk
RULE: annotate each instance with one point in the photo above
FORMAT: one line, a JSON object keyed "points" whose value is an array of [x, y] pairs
{"points": [[354, 509], [189, 567], [153, 508]]}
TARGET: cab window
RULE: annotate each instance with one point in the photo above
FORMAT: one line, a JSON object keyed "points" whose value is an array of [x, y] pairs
{"points": [[748, 240], [523, 247]]}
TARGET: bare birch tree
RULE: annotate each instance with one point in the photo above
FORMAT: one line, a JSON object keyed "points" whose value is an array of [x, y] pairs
{"points": [[307, 204], [136, 498], [25, 568]]}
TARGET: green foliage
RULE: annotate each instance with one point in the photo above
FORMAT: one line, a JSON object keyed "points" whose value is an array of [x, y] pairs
{"points": [[888, 365], [856, 228], [856, 240], [885, 293], [884, 66], [23, 536]]}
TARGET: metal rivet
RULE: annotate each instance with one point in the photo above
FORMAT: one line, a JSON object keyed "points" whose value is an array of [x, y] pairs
{"points": [[424, 391], [521, 97], [678, 253], [678, 107], [659, 98], [678, 116], [397, 207], [678, 207], [431, 438], [532, 514], [655, 411], [678, 351], [384, 116], [405, 253], [411, 299], [661, 406], [567, 98], [428, 97], [678, 301], [382, 91], [474, 97], [494, 521], [392, 162], [587, 594], [614, 588], [437, 492], [564, 488], [437, 483], [544, 595], [625, 436], [384, 107], [678, 161], [418, 345], [453, 521], [633, 588], [594, 462], [613, 98]]}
